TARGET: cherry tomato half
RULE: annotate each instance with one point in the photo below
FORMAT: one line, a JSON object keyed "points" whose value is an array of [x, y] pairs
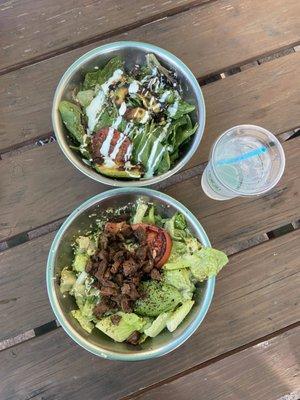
{"points": [[159, 242]]}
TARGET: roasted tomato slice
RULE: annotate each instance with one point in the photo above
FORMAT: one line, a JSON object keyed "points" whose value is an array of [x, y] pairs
{"points": [[117, 145], [159, 242]]}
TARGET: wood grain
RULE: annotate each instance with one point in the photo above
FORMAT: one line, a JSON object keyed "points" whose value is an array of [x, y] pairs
{"points": [[32, 30], [41, 182], [268, 370], [219, 35], [23, 302], [256, 295]]}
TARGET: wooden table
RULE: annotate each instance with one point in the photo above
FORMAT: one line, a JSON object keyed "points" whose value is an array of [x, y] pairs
{"points": [[246, 55]]}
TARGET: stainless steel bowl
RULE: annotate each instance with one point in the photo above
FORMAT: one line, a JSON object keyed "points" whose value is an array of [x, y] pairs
{"points": [[60, 255], [133, 53]]}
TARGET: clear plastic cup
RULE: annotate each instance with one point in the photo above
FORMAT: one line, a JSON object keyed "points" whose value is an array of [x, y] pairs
{"points": [[246, 160]]}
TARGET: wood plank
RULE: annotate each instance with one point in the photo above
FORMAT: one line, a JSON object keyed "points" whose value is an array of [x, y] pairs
{"points": [[256, 295], [207, 46], [41, 182], [227, 224], [23, 288], [268, 370], [32, 30]]}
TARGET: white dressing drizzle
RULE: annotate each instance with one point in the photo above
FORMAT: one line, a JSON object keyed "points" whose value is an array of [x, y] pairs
{"points": [[104, 150], [122, 108], [94, 108], [153, 159], [133, 87], [164, 96], [117, 122], [117, 146], [173, 108]]}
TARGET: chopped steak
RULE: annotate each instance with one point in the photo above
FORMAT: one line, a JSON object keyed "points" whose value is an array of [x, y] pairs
{"points": [[118, 268], [155, 274], [134, 338], [115, 319], [126, 304], [102, 307]]}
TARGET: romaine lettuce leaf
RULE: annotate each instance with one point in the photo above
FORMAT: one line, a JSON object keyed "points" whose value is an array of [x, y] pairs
{"points": [[84, 322], [179, 314], [80, 261], [140, 212], [180, 278], [67, 280], [210, 262], [128, 323], [84, 97], [158, 324]]}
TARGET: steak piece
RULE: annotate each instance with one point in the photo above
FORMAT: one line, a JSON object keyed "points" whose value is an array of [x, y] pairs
{"points": [[115, 319], [130, 267], [134, 338]]}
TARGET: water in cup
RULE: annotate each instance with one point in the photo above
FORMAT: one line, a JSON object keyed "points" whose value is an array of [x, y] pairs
{"points": [[245, 160]]}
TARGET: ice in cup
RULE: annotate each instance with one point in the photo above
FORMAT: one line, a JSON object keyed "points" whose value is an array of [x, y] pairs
{"points": [[246, 160]]}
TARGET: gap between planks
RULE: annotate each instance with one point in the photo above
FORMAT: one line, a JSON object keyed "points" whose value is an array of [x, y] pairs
{"points": [[175, 179], [49, 137], [109, 34]]}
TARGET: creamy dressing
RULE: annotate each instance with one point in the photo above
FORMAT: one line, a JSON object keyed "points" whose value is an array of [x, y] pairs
{"points": [[109, 163], [118, 146], [128, 128], [94, 108], [128, 153], [122, 108], [133, 87], [145, 118], [164, 96], [173, 108], [117, 122], [104, 150], [153, 160]]}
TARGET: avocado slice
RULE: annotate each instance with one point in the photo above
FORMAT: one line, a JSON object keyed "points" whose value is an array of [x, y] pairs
{"points": [[133, 173]]}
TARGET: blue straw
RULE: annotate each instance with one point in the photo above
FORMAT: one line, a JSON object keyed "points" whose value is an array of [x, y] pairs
{"points": [[243, 157]]}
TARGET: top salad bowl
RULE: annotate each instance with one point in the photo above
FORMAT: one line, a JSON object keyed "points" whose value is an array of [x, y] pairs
{"points": [[128, 114], [61, 254]]}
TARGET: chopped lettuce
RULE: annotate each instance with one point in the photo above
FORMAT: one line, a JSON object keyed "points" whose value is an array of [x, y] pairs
{"points": [[184, 261], [128, 323], [140, 211], [157, 298], [80, 261], [67, 280], [210, 262], [86, 244], [181, 279], [177, 227], [179, 314], [158, 324], [84, 322], [149, 218], [84, 97]]}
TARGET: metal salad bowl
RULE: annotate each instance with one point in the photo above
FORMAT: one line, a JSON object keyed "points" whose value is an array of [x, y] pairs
{"points": [[60, 255], [133, 53]]}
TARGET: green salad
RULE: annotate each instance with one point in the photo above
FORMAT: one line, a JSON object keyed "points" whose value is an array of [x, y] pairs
{"points": [[137, 274], [129, 124]]}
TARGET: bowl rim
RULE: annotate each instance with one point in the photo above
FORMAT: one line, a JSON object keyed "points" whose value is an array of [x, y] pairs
{"points": [[102, 50], [81, 341]]}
